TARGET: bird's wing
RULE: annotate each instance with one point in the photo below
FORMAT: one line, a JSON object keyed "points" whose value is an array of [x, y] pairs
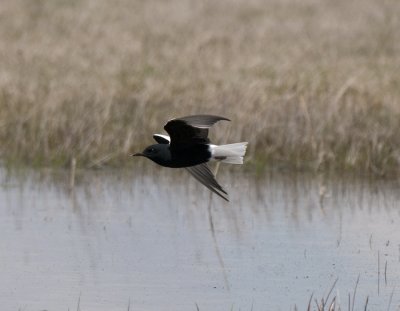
{"points": [[204, 175], [161, 139], [191, 129]]}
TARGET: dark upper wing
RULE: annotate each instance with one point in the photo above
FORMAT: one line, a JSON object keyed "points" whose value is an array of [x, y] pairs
{"points": [[204, 175], [191, 129]]}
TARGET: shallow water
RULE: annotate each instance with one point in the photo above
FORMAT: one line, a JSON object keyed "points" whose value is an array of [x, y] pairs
{"points": [[155, 241]]}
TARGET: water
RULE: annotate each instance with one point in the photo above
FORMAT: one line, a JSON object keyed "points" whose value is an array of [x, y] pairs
{"points": [[153, 241]]}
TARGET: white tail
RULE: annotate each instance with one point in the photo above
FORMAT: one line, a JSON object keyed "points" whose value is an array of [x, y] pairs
{"points": [[232, 153]]}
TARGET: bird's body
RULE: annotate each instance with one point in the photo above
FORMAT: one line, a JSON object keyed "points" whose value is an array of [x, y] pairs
{"points": [[183, 156], [188, 146]]}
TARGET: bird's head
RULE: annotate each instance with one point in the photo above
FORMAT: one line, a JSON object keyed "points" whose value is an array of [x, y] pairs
{"points": [[158, 153]]}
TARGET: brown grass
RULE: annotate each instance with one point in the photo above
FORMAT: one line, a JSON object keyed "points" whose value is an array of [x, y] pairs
{"points": [[308, 83]]}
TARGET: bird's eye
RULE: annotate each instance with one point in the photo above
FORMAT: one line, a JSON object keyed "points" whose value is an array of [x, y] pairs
{"points": [[151, 150]]}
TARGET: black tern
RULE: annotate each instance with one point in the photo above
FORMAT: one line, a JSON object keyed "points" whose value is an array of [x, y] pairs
{"points": [[188, 146]]}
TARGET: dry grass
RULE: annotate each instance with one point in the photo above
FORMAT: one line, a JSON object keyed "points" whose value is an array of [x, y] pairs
{"points": [[308, 83]]}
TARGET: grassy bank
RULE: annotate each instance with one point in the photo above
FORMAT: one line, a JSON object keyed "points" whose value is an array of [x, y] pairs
{"points": [[307, 83]]}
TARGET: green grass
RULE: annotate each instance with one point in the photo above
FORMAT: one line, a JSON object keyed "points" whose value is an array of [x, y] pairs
{"points": [[310, 84]]}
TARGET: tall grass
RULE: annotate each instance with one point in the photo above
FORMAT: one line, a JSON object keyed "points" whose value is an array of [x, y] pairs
{"points": [[308, 83]]}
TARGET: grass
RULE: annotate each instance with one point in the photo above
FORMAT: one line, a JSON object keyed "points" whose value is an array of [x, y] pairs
{"points": [[309, 83]]}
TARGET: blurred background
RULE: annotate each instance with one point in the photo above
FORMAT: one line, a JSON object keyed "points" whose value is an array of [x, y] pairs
{"points": [[307, 83], [310, 84]]}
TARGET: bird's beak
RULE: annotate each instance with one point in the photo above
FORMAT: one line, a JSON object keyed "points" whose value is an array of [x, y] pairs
{"points": [[139, 154]]}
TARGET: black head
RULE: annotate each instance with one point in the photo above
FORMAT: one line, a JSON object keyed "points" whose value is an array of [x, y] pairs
{"points": [[158, 153]]}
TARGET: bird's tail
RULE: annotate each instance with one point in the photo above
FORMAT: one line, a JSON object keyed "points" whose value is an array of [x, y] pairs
{"points": [[232, 153]]}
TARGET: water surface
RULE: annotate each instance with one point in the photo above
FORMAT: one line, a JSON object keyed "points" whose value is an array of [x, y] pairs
{"points": [[157, 241]]}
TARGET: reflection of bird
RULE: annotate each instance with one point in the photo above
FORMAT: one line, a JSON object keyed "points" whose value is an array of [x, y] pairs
{"points": [[188, 146]]}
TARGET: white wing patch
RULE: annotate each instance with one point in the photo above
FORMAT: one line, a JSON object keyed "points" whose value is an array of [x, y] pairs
{"points": [[162, 139]]}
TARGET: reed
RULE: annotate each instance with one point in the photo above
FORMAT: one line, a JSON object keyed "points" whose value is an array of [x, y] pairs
{"points": [[308, 83]]}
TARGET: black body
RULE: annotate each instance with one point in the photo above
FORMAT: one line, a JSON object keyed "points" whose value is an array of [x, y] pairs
{"points": [[190, 155], [178, 157]]}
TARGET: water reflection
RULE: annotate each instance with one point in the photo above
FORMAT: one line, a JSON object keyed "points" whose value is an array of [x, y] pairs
{"points": [[158, 241]]}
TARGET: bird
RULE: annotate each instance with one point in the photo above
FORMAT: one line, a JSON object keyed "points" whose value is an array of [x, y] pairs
{"points": [[187, 146]]}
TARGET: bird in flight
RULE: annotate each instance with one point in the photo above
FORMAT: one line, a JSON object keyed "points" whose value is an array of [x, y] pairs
{"points": [[187, 146]]}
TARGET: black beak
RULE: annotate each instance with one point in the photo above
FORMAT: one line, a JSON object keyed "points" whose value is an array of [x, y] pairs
{"points": [[139, 154]]}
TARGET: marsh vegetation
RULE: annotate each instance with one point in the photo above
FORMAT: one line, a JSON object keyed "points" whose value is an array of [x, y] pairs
{"points": [[308, 83]]}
